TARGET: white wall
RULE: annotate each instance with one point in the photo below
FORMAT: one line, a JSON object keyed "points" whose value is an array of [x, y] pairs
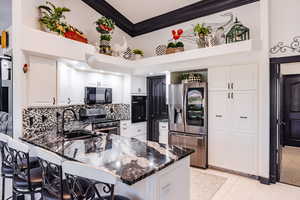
{"points": [[291, 68], [284, 23], [249, 15], [5, 14]]}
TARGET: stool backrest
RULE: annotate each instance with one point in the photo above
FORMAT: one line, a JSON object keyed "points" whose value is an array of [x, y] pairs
{"points": [[21, 164], [51, 171], [81, 180], [6, 157]]}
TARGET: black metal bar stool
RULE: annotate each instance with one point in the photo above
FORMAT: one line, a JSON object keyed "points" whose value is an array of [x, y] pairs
{"points": [[54, 187], [82, 180], [6, 162], [26, 179]]}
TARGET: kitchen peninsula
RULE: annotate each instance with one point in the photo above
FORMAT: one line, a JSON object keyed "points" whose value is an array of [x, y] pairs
{"points": [[146, 170]]}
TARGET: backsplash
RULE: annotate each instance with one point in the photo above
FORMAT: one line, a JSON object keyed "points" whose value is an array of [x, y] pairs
{"points": [[40, 119]]}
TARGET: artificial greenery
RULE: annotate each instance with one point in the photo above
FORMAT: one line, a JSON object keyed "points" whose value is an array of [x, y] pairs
{"points": [[138, 52], [200, 29], [184, 76], [179, 44], [51, 17], [105, 25], [171, 45], [105, 37]]}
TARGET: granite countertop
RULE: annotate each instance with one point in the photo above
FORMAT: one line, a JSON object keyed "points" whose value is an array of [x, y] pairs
{"points": [[127, 158]]}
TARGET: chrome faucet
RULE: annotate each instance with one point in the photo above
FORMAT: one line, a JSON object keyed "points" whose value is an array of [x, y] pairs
{"points": [[63, 118]]}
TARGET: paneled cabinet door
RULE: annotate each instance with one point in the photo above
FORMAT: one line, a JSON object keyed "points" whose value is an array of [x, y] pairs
{"points": [[42, 82], [64, 84], [244, 112], [243, 77], [218, 78], [219, 110]]}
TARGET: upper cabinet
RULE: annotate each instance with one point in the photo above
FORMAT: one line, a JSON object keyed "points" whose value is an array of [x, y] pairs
{"points": [[138, 85], [42, 82], [235, 78]]}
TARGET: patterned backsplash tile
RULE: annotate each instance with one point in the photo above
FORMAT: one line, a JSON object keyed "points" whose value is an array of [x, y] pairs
{"points": [[40, 119]]}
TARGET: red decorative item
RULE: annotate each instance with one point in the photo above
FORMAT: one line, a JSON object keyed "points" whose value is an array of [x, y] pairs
{"points": [[25, 68], [177, 34], [75, 36]]}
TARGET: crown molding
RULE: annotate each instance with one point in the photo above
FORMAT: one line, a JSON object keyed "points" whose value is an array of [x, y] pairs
{"points": [[187, 13]]}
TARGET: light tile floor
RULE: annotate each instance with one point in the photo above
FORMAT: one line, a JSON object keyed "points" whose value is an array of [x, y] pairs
{"points": [[241, 188], [290, 165]]}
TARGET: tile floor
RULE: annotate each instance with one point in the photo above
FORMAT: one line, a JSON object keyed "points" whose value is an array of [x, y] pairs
{"points": [[241, 188], [290, 165]]}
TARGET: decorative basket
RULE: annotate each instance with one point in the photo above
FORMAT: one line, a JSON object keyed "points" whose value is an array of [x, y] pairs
{"points": [[174, 50]]}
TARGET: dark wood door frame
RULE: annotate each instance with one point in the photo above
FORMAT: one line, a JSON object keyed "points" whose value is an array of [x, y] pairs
{"points": [[275, 64]]}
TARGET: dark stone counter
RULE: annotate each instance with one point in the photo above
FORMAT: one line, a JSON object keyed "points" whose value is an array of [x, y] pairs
{"points": [[127, 158]]}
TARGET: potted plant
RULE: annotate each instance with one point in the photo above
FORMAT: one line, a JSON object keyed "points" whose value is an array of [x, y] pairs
{"points": [[105, 27], [51, 17], [50, 20], [184, 77], [138, 54], [202, 32], [175, 46]]}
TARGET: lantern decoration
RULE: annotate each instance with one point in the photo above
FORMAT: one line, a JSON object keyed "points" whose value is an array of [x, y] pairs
{"points": [[238, 33]]}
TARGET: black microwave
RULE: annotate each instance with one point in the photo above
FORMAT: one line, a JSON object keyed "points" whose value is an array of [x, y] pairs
{"points": [[94, 95]]}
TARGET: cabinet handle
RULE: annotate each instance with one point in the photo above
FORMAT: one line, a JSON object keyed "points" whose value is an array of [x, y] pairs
{"points": [[54, 101], [228, 86], [219, 116], [69, 101], [163, 127], [243, 117], [232, 95], [139, 130], [231, 85], [228, 95], [166, 186]]}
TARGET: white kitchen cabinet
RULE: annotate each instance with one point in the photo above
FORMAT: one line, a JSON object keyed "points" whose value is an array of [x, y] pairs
{"points": [[232, 123], [218, 78], [136, 130], [243, 77], [41, 82], [237, 78], [70, 85], [138, 85], [163, 133]]}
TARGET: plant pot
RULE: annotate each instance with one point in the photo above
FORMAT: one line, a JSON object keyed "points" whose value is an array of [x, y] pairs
{"points": [[105, 47], [174, 50], [201, 41], [75, 36], [137, 56]]}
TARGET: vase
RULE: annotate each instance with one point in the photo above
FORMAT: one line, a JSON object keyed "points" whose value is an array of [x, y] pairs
{"points": [[201, 41], [105, 47]]}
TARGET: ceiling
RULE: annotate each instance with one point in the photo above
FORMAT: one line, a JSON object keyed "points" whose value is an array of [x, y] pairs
{"points": [[5, 14], [140, 10]]}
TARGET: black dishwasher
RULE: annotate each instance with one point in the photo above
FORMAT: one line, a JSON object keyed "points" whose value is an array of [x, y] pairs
{"points": [[138, 109]]}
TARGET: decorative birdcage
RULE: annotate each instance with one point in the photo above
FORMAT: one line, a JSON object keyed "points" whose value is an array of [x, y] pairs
{"points": [[238, 33]]}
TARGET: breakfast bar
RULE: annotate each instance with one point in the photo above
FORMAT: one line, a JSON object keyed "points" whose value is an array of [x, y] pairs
{"points": [[146, 170]]}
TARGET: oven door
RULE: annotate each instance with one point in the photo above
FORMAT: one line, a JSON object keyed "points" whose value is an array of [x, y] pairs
{"points": [[195, 108]]}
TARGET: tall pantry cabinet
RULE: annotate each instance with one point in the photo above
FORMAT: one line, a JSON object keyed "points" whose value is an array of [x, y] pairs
{"points": [[233, 128]]}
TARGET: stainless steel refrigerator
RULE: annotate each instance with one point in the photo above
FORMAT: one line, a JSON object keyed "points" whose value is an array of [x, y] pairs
{"points": [[188, 119]]}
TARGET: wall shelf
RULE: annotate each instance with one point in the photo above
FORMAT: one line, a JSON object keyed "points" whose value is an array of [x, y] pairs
{"points": [[40, 43]]}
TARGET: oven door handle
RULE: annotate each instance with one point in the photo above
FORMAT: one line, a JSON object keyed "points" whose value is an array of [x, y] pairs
{"points": [[106, 129]]}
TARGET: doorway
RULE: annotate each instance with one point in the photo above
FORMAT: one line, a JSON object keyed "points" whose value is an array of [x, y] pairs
{"points": [[285, 120], [156, 106]]}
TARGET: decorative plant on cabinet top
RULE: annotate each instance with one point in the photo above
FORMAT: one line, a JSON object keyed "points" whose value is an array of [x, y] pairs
{"points": [[51, 20], [105, 27], [138, 54], [202, 32], [176, 46]]}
